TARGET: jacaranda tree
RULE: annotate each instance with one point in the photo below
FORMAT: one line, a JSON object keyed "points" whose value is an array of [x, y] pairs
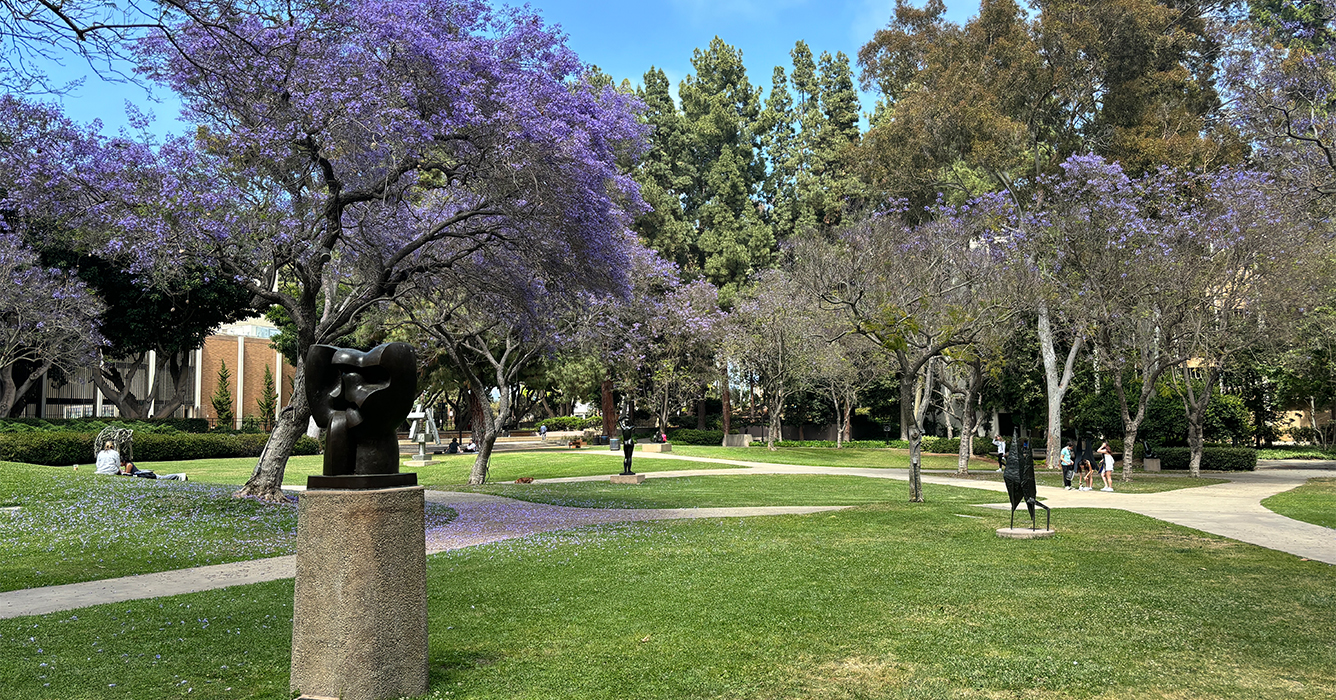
{"points": [[344, 148]]}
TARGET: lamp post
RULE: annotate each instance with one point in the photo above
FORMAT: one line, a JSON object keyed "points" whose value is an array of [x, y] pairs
{"points": [[886, 428]]}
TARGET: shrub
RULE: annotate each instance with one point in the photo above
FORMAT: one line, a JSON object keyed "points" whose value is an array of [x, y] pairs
{"points": [[1227, 459], [851, 444], [689, 436], [942, 445], [95, 425], [564, 423], [65, 448]]}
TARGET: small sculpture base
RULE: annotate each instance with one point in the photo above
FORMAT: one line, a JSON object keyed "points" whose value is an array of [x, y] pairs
{"points": [[1024, 533], [656, 447], [359, 482], [1151, 464], [415, 462], [636, 479], [359, 629]]}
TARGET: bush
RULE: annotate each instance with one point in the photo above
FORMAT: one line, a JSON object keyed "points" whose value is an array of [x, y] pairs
{"points": [[942, 445], [1226, 459], [565, 423], [95, 425], [689, 436], [851, 444], [65, 448]]}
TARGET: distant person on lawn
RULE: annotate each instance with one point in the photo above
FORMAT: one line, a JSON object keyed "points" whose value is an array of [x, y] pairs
{"points": [[108, 460], [1068, 464], [129, 469]]}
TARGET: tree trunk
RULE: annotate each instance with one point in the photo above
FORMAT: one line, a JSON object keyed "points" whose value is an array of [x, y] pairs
{"points": [[609, 408], [839, 427], [775, 434], [1055, 386], [700, 411], [482, 420], [116, 388], [1196, 414], [969, 418], [266, 481], [848, 417], [914, 434], [726, 399], [173, 366]]}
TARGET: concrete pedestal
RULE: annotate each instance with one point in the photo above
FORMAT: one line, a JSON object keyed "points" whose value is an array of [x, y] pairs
{"points": [[1151, 464], [359, 628], [419, 461], [1023, 533], [628, 478], [656, 447], [737, 440]]}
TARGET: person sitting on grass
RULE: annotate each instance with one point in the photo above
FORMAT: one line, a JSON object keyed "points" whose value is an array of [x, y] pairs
{"points": [[129, 469], [453, 447], [108, 460]]}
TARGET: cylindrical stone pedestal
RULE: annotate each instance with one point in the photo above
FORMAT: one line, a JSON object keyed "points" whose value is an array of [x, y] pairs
{"points": [[359, 627]]}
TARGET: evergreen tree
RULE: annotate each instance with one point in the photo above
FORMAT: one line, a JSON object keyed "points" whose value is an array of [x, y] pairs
{"points": [[664, 174], [722, 109], [267, 404], [222, 400]]}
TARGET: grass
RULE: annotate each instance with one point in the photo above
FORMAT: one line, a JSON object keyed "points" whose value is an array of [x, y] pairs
{"points": [[891, 600], [735, 492], [1141, 483], [824, 456], [449, 470], [1314, 502], [1296, 452], [80, 526]]}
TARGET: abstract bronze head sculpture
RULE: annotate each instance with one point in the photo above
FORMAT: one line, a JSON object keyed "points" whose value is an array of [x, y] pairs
{"points": [[360, 398], [1019, 478]]}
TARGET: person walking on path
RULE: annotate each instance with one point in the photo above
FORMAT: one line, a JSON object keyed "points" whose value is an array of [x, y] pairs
{"points": [[1107, 470], [542, 432], [1001, 451], [1068, 465]]}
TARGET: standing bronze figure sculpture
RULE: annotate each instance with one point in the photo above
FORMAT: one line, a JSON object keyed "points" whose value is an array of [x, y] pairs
{"points": [[628, 445], [1019, 478], [360, 398]]}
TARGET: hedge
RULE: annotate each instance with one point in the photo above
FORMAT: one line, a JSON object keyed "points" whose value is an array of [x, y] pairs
{"points": [[1225, 459], [66, 448], [852, 444], [94, 425], [691, 436], [565, 423]]}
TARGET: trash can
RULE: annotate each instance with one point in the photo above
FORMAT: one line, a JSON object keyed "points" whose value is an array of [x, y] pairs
{"points": [[614, 444]]}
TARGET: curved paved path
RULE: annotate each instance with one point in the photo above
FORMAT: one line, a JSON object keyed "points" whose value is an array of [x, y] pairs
{"points": [[482, 519], [1232, 510]]}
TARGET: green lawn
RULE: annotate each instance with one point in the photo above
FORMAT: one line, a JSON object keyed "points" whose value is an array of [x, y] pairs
{"points": [[892, 600], [1140, 483], [1314, 502], [79, 526], [449, 470], [736, 491], [825, 456]]}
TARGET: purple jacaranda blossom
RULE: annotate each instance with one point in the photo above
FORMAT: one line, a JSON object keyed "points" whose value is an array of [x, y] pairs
{"points": [[344, 149]]}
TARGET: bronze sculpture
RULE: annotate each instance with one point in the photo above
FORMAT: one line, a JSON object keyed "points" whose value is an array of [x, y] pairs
{"points": [[1019, 478], [360, 398]]}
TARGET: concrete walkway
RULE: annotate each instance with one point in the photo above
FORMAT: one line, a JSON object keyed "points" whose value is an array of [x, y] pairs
{"points": [[1231, 510]]}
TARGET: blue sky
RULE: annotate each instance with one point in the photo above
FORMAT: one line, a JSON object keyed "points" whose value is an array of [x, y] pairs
{"points": [[623, 38]]}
